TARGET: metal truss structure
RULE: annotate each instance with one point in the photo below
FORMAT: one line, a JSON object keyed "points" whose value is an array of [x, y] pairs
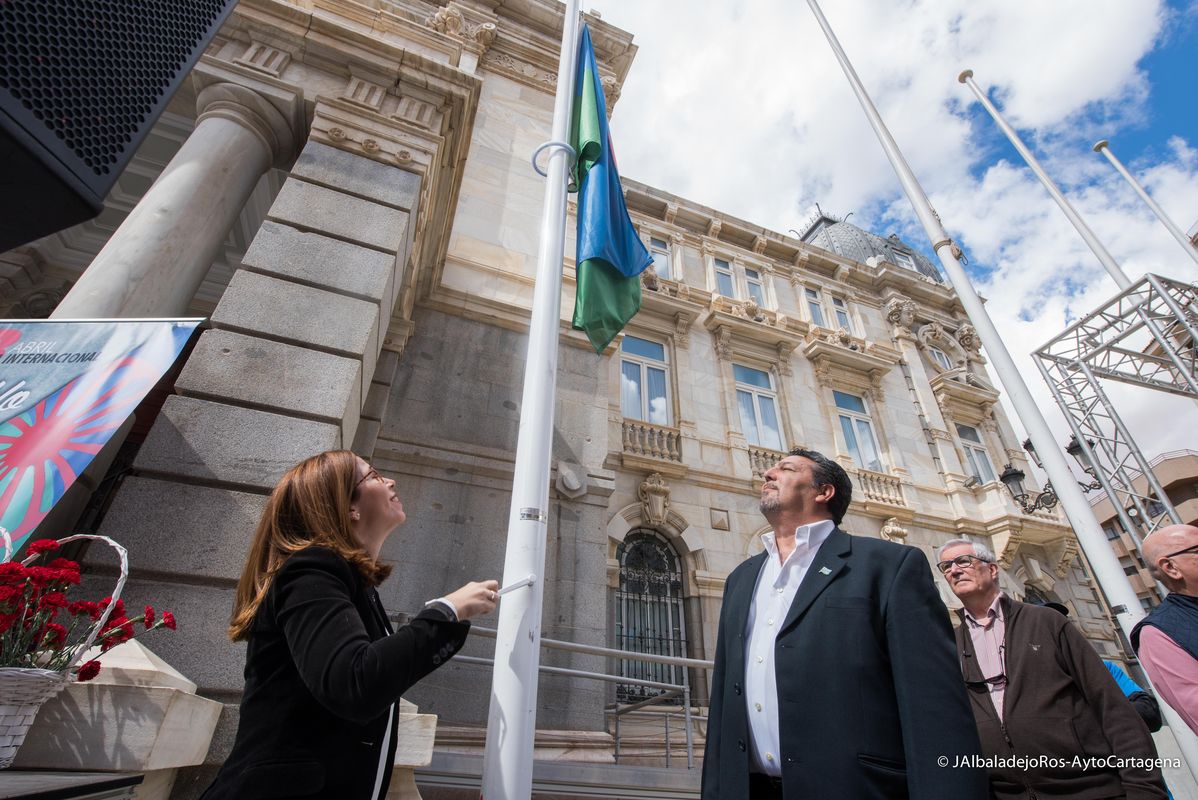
{"points": [[1144, 337]]}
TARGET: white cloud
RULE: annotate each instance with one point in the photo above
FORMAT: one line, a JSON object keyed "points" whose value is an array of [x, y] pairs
{"points": [[742, 107]]}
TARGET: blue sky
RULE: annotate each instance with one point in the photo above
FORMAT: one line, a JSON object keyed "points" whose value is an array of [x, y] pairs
{"points": [[742, 107]]}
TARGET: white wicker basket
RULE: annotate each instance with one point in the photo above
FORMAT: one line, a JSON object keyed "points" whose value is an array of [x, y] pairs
{"points": [[23, 690]]}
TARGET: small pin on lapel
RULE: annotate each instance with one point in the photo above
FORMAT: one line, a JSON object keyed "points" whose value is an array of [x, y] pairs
{"points": [[825, 571]]}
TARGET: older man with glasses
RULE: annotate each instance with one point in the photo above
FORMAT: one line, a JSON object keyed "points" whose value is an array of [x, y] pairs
{"points": [[1167, 639], [1048, 712]]}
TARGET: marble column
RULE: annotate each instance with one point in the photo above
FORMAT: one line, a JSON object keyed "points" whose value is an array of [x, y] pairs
{"points": [[156, 260]]}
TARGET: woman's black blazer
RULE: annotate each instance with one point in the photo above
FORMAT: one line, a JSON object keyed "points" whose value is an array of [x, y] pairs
{"points": [[322, 670]]}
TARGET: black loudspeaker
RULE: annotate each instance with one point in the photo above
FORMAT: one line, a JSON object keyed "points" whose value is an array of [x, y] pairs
{"points": [[81, 83]]}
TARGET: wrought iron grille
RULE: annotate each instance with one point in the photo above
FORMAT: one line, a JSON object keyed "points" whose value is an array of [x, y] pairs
{"points": [[648, 613]]}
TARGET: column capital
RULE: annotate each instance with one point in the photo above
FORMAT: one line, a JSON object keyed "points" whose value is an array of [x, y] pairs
{"points": [[273, 112]]}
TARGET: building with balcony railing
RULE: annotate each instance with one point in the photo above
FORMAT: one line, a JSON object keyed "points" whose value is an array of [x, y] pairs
{"points": [[375, 293]]}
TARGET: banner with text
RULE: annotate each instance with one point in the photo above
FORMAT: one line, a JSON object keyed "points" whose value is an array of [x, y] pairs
{"points": [[65, 389]]}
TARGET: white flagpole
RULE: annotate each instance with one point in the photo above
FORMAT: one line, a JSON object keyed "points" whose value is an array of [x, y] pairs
{"points": [[1104, 147], [1125, 605], [511, 721], [1104, 256]]}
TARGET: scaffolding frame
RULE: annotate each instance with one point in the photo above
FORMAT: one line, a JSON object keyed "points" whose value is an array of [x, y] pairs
{"points": [[1144, 336]]}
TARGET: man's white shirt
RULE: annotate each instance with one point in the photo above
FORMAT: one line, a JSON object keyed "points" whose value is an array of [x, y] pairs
{"points": [[777, 585]]}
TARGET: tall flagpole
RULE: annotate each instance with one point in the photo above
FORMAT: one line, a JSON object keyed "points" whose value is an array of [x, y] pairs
{"points": [[1104, 256], [511, 721], [1124, 603], [1104, 147]]}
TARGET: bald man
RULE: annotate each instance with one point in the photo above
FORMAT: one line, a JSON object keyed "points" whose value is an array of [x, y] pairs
{"points": [[1167, 639]]}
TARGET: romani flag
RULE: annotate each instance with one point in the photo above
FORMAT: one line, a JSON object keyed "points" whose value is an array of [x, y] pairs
{"points": [[610, 256]]}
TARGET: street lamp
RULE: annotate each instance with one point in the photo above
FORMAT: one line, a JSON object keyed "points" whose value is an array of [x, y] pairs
{"points": [[1012, 478], [1079, 455]]}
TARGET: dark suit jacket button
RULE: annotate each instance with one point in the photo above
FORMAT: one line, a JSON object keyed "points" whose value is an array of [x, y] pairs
{"points": [[436, 661], [741, 744], [449, 648], [736, 688]]}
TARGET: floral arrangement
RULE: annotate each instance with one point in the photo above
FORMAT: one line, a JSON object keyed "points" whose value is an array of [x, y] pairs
{"points": [[41, 628]]}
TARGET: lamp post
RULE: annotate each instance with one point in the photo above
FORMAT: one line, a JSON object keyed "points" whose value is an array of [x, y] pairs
{"points": [[1012, 478]]}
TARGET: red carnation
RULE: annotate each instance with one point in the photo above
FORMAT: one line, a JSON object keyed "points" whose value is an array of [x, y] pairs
{"points": [[85, 607], [89, 670], [12, 572], [68, 570], [43, 546], [149, 616], [118, 609], [168, 620], [54, 600], [52, 635]]}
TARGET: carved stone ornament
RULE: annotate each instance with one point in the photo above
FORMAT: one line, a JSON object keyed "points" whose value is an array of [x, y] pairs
{"points": [[649, 279], [892, 531], [967, 337], [900, 311], [654, 493], [448, 21], [485, 34], [784, 350], [933, 331], [713, 228], [723, 343], [682, 322], [671, 213], [839, 336]]}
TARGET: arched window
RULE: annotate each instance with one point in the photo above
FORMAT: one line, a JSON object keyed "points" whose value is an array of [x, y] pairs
{"points": [[648, 612]]}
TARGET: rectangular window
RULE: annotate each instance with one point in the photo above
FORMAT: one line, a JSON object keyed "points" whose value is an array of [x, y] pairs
{"points": [[940, 357], [1146, 604], [842, 314], [758, 406], [755, 287], [815, 306], [1112, 530], [644, 391], [724, 281], [977, 461], [660, 250], [904, 260], [858, 431], [1131, 570]]}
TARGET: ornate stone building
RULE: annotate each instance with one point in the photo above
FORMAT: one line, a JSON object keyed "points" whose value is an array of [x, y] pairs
{"points": [[344, 188]]}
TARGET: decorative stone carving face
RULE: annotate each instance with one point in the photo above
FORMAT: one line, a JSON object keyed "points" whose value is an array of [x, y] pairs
{"points": [[967, 337], [654, 493]]}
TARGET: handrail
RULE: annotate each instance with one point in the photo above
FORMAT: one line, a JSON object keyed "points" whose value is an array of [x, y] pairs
{"points": [[594, 650], [667, 689]]}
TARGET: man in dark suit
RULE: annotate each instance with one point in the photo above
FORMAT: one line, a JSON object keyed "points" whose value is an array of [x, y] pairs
{"points": [[835, 671]]}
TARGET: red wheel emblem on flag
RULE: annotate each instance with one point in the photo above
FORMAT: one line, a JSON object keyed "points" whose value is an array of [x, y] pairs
{"points": [[43, 449]]}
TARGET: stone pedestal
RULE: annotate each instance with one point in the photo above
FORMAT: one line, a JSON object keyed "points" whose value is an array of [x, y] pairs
{"points": [[414, 748], [137, 715]]}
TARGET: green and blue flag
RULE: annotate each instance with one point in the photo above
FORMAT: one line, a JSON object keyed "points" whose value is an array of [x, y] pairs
{"points": [[610, 255]]}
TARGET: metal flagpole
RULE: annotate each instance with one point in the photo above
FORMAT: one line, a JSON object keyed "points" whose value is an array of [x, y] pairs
{"points": [[511, 721], [1108, 261], [1124, 603], [1104, 147]]}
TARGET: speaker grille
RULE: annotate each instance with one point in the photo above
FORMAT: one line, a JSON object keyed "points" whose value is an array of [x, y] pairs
{"points": [[95, 72]]}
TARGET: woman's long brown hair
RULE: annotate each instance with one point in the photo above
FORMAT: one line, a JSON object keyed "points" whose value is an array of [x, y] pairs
{"points": [[309, 506]]}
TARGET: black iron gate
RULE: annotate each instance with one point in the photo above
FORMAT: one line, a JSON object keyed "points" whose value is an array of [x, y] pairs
{"points": [[648, 613]]}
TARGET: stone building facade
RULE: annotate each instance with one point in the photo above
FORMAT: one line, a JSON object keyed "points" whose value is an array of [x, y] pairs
{"points": [[363, 235]]}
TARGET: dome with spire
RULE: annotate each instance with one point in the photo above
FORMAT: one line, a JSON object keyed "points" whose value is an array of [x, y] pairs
{"points": [[860, 245]]}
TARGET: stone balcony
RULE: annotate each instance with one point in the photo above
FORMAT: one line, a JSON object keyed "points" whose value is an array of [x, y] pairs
{"points": [[761, 459], [878, 489], [654, 447]]}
